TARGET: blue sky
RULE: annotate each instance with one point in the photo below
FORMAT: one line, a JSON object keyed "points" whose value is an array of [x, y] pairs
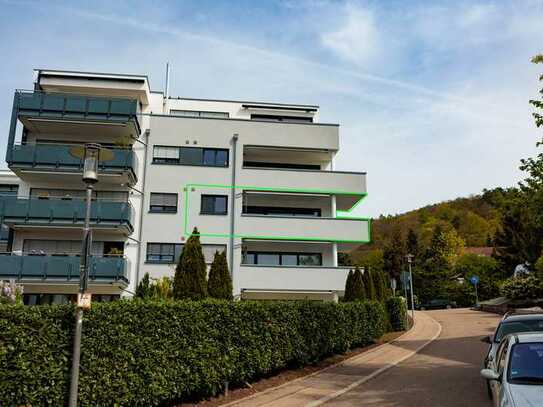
{"points": [[432, 97]]}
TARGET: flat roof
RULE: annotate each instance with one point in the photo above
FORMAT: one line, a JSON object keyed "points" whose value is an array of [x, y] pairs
{"points": [[261, 104]]}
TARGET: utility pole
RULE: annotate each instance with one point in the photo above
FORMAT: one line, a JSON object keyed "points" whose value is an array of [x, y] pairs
{"points": [[409, 260]]}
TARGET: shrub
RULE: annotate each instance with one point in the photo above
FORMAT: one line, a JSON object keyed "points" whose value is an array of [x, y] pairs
{"points": [[190, 273], [369, 286], [522, 288], [143, 289], [219, 284], [359, 291], [397, 312], [149, 353]]}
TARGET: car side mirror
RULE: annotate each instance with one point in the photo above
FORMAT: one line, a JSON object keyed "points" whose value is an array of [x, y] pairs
{"points": [[490, 374], [486, 339]]}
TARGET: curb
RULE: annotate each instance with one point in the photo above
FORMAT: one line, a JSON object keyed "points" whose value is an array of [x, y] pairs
{"points": [[374, 374]]}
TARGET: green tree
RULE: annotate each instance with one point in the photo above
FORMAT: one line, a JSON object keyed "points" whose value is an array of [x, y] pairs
{"points": [[412, 244], [539, 268], [349, 287], [219, 284], [378, 284], [143, 289], [394, 254], [369, 285], [359, 291], [190, 273]]}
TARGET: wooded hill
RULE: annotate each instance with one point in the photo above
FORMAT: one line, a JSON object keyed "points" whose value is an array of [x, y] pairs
{"points": [[475, 219]]}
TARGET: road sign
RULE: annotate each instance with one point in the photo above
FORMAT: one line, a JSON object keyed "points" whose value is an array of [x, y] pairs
{"points": [[474, 280]]}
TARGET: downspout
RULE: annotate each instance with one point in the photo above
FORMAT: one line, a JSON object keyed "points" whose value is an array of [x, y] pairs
{"points": [[233, 204], [140, 232]]}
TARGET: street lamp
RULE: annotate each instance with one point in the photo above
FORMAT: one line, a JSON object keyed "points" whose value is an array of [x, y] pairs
{"points": [[409, 260], [91, 154]]}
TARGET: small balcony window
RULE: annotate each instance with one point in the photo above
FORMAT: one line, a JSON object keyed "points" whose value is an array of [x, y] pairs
{"points": [[214, 205], [163, 203]]}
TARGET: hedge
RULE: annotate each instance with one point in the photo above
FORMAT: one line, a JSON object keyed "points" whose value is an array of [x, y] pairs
{"points": [[397, 312], [150, 353]]}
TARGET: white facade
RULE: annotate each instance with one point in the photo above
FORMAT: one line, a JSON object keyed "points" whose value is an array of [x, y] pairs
{"points": [[256, 179]]}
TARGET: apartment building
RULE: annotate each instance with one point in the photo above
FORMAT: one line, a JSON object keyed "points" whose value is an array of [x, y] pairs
{"points": [[256, 179]]}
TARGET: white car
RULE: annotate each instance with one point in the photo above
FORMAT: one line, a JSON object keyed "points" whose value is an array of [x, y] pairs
{"points": [[516, 375]]}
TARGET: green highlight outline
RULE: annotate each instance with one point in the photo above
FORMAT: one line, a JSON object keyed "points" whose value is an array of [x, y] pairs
{"points": [[186, 233]]}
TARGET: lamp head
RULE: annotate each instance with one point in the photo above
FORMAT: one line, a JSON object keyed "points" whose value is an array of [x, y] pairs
{"points": [[91, 154]]}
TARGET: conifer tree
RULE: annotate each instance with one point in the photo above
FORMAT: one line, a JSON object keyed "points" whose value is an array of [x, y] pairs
{"points": [[348, 296], [378, 284], [143, 289], [219, 283], [190, 273], [358, 286], [368, 285]]}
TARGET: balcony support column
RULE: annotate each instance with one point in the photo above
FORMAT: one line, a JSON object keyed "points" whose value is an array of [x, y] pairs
{"points": [[334, 254]]}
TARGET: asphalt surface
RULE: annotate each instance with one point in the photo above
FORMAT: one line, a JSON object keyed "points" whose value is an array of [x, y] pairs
{"points": [[445, 373]]}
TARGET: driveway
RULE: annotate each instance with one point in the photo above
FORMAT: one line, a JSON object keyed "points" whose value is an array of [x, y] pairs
{"points": [[445, 373]]}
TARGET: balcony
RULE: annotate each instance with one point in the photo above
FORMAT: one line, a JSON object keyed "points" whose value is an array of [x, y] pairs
{"points": [[347, 230], [86, 116], [36, 268], [348, 187], [277, 278], [28, 160], [36, 212]]}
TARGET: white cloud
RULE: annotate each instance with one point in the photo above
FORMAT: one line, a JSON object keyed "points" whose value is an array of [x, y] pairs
{"points": [[357, 39]]}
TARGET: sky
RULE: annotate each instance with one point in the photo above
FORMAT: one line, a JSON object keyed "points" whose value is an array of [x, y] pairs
{"points": [[431, 97]]}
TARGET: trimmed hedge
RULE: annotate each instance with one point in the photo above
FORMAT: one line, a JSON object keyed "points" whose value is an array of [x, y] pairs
{"points": [[397, 311], [148, 353]]}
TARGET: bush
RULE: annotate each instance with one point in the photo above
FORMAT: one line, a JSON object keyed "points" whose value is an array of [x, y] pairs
{"points": [[190, 274], [219, 284], [522, 288], [397, 312], [150, 353]]}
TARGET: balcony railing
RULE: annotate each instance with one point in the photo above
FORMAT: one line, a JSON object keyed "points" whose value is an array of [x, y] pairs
{"points": [[77, 107], [65, 212], [64, 268], [57, 157]]}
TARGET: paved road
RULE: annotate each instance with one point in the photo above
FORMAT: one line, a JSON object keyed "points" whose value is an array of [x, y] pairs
{"points": [[445, 373]]}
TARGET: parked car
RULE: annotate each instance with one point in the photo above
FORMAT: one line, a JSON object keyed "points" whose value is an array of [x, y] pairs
{"points": [[516, 375], [511, 323], [438, 303]]}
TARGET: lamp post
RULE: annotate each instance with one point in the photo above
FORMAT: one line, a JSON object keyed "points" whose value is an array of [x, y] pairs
{"points": [[409, 260], [91, 154]]}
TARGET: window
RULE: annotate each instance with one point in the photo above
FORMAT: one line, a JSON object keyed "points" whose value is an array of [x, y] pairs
{"points": [[169, 253], [281, 211], [209, 157], [283, 259], [60, 247], [69, 194], [163, 154], [163, 203], [214, 205], [163, 252], [287, 119], [202, 114]]}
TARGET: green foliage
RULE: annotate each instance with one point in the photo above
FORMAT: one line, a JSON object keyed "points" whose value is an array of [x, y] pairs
{"points": [[349, 286], [463, 294], [539, 268], [143, 289], [444, 249], [354, 286], [397, 311], [219, 284], [370, 292], [522, 288], [538, 104], [394, 255], [143, 353], [377, 281], [190, 273], [486, 268]]}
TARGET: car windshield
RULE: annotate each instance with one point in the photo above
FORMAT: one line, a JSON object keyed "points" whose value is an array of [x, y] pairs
{"points": [[513, 327], [526, 364]]}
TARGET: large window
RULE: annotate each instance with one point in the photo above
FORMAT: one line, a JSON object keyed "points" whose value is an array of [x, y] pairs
{"points": [[208, 157], [199, 113], [163, 252], [214, 205], [281, 211], [169, 253], [282, 259], [163, 203]]}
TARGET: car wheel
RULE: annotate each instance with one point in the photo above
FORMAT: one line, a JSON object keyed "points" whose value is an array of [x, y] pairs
{"points": [[488, 390]]}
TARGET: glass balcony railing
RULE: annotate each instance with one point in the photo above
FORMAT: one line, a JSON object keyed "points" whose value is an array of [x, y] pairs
{"points": [[78, 107], [65, 212], [57, 157], [65, 268]]}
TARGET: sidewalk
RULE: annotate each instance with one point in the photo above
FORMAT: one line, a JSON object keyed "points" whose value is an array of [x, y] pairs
{"points": [[329, 383]]}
